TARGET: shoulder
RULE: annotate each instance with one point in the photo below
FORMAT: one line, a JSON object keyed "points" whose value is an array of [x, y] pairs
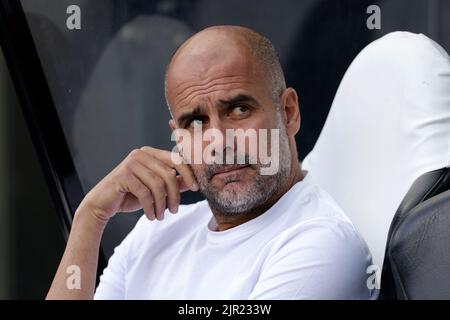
{"points": [[319, 258], [328, 237], [320, 249], [319, 221], [322, 258]]}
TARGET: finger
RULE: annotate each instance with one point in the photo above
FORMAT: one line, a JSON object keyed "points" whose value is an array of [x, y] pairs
{"points": [[186, 173], [154, 183], [168, 158], [168, 175], [152, 168], [182, 184], [142, 193]]}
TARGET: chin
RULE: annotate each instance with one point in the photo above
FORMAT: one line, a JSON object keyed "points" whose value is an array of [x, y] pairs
{"points": [[238, 193]]}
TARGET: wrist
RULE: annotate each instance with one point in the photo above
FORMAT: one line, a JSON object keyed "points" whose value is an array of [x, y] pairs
{"points": [[91, 217]]}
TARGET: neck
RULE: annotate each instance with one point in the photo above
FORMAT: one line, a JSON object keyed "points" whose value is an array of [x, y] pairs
{"points": [[224, 222]]}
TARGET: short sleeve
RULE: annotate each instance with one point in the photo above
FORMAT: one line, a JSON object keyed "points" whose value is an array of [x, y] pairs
{"points": [[316, 260]]}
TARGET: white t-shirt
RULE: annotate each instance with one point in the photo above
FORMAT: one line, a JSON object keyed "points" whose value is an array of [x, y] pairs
{"points": [[303, 247]]}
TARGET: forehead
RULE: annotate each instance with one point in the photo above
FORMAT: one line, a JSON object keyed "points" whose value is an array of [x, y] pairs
{"points": [[207, 73], [199, 65]]}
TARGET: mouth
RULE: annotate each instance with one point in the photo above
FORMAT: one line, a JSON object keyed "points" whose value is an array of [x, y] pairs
{"points": [[230, 170]]}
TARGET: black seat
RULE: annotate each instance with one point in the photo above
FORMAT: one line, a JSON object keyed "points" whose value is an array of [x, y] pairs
{"points": [[417, 258]]}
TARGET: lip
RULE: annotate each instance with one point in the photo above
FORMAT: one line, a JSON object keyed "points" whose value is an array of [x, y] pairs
{"points": [[232, 169]]}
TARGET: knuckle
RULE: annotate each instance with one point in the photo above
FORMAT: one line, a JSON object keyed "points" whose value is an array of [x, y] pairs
{"points": [[170, 172], [147, 197], [142, 191], [125, 175], [149, 173], [159, 192], [158, 182], [134, 153], [126, 171], [146, 149]]}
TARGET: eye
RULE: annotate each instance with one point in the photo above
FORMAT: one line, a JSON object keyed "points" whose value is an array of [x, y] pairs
{"points": [[240, 110]]}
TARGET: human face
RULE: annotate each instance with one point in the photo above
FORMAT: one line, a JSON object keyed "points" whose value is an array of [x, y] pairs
{"points": [[224, 91]]}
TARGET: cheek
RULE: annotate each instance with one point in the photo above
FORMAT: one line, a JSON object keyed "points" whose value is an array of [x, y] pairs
{"points": [[263, 119], [263, 127]]}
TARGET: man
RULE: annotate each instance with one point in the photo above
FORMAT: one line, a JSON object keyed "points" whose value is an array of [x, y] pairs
{"points": [[256, 236]]}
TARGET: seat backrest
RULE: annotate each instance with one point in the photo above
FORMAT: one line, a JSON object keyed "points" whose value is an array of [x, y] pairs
{"points": [[417, 257], [389, 124], [425, 187]]}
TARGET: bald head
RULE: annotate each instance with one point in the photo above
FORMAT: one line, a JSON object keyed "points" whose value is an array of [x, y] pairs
{"points": [[214, 45], [229, 78]]}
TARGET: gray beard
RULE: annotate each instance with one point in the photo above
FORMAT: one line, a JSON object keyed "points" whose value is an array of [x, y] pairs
{"points": [[232, 203], [257, 193]]}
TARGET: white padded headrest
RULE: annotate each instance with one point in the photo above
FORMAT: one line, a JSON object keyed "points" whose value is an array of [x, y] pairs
{"points": [[389, 123]]}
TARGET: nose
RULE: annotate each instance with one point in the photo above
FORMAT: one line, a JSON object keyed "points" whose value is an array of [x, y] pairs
{"points": [[215, 144]]}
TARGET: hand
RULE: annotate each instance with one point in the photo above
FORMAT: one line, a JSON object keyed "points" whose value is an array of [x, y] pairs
{"points": [[147, 178]]}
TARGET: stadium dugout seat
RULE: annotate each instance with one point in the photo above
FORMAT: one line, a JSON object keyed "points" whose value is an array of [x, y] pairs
{"points": [[384, 155]]}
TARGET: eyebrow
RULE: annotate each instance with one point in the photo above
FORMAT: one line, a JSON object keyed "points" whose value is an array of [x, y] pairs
{"points": [[223, 103], [240, 98], [185, 117]]}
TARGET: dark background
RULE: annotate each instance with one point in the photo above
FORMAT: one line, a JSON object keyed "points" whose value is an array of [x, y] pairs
{"points": [[106, 81]]}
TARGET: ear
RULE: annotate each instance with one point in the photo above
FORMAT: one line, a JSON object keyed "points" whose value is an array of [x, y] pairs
{"points": [[290, 111], [172, 124]]}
